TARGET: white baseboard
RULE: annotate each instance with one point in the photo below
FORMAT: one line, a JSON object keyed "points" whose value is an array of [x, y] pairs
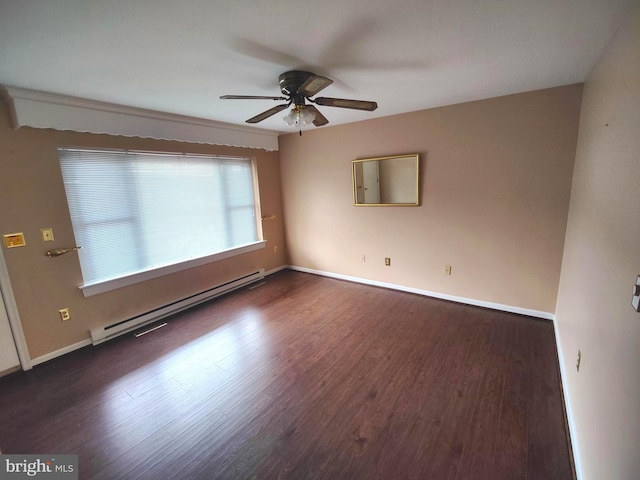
{"points": [[62, 351], [567, 403], [276, 270], [10, 370], [442, 296]]}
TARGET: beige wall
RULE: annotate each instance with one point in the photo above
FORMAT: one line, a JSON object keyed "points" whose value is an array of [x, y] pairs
{"points": [[495, 180], [32, 197], [600, 265]]}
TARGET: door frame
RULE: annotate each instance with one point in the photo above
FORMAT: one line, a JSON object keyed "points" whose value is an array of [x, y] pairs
{"points": [[14, 317]]}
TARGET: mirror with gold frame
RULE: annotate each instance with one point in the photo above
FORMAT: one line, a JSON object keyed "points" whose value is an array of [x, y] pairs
{"points": [[392, 181]]}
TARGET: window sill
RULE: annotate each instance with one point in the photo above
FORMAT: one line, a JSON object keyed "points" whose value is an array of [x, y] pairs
{"points": [[91, 289]]}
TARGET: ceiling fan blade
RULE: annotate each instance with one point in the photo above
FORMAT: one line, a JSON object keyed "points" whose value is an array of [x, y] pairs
{"points": [[319, 119], [250, 97], [344, 103], [268, 113], [313, 85]]}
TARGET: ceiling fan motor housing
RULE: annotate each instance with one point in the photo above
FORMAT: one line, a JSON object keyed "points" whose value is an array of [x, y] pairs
{"points": [[291, 81]]}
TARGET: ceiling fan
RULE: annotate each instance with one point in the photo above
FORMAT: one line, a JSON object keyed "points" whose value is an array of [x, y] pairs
{"points": [[297, 87]]}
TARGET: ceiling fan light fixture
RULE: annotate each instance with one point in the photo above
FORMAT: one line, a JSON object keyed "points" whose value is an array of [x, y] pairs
{"points": [[299, 117], [307, 117]]}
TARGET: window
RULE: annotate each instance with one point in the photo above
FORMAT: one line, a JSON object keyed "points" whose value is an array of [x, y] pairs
{"points": [[138, 215]]}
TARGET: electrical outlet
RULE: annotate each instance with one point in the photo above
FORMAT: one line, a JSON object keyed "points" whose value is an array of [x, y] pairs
{"points": [[578, 361], [64, 314], [275, 249], [363, 258], [387, 261], [447, 269]]}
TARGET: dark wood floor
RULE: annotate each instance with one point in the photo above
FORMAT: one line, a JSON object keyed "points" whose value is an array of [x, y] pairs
{"points": [[304, 377]]}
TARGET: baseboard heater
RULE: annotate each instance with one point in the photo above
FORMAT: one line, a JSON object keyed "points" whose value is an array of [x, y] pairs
{"points": [[102, 334]]}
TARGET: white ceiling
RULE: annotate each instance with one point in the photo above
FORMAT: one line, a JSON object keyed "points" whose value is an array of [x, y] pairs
{"points": [[180, 56]]}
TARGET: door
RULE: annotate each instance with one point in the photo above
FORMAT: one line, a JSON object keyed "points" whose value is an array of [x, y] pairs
{"points": [[9, 361]]}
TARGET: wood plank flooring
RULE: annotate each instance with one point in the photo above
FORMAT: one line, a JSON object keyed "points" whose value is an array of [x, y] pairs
{"points": [[304, 377]]}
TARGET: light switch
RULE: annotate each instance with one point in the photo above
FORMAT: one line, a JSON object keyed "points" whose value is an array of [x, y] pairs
{"points": [[635, 300], [12, 240]]}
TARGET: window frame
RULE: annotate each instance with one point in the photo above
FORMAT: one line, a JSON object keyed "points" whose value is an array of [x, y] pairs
{"points": [[89, 289]]}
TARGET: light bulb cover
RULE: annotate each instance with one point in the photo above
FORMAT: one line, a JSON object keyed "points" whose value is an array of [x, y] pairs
{"points": [[307, 116], [299, 116], [290, 117]]}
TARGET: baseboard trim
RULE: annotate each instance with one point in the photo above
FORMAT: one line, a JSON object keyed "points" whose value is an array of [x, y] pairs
{"points": [[567, 404], [62, 351], [10, 370], [427, 293], [276, 270]]}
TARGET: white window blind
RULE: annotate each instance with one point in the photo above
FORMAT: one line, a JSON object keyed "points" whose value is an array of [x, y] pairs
{"points": [[136, 211]]}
